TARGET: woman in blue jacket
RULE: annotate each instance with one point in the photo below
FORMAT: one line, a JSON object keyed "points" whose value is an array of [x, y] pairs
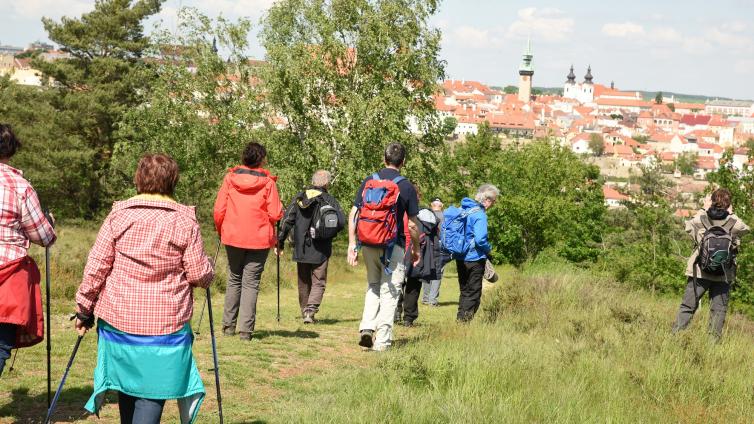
{"points": [[471, 267]]}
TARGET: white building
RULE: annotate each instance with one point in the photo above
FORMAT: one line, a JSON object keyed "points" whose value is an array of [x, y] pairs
{"points": [[584, 92]]}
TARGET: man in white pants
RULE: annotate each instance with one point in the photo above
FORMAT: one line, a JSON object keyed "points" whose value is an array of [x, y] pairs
{"points": [[385, 281]]}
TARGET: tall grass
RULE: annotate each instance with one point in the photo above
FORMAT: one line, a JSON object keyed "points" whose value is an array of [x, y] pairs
{"points": [[550, 345]]}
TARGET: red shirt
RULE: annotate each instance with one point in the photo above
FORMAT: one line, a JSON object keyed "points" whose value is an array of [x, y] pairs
{"points": [[140, 271], [21, 217]]}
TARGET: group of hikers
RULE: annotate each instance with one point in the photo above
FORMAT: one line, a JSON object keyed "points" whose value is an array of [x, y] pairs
{"points": [[149, 255]]}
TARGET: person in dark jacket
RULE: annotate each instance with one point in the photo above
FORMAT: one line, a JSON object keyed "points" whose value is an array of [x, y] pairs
{"points": [[310, 252], [426, 270]]}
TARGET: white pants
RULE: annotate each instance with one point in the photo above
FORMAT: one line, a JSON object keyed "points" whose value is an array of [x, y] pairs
{"points": [[382, 293]]}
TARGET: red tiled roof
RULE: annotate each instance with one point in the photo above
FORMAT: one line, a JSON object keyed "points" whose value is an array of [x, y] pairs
{"points": [[695, 119], [601, 90], [602, 101], [706, 163], [613, 194]]}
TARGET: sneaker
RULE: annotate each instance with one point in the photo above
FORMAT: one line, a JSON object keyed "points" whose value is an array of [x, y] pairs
{"points": [[308, 317], [366, 338], [229, 331], [244, 336], [408, 323]]}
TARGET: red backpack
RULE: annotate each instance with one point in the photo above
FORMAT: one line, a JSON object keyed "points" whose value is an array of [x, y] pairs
{"points": [[377, 224]]}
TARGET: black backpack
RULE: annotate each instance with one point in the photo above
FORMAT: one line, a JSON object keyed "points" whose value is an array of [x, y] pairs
{"points": [[717, 252], [325, 224]]}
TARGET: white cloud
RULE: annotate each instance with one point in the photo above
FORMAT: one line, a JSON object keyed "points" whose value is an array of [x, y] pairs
{"points": [[622, 30], [727, 38], [548, 24], [665, 35], [34, 9], [744, 67], [236, 8]]}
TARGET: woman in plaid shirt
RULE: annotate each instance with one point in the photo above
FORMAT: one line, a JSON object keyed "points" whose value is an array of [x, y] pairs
{"points": [[138, 282], [21, 222]]}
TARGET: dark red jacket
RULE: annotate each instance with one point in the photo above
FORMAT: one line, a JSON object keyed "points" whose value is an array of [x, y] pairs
{"points": [[247, 208], [21, 300]]}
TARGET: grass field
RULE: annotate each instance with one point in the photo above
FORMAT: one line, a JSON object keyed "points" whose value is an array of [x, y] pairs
{"points": [[551, 344]]}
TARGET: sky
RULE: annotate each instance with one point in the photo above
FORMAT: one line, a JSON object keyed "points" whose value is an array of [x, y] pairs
{"points": [[686, 46]]}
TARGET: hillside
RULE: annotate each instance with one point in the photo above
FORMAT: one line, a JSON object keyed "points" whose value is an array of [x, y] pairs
{"points": [[552, 343]]}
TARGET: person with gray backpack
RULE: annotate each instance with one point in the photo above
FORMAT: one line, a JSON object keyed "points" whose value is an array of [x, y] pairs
{"points": [[315, 218], [717, 233]]}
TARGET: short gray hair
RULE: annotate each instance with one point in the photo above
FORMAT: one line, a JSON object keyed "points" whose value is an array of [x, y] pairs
{"points": [[321, 178], [486, 191]]}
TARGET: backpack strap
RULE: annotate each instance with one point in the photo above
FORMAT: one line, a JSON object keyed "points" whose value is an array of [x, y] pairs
{"points": [[729, 225], [249, 172], [706, 223], [398, 179], [375, 176]]}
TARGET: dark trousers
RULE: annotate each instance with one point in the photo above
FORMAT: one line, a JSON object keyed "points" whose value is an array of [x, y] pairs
{"points": [[245, 267], [718, 294], [470, 281], [139, 411], [312, 279], [411, 291], [7, 341]]}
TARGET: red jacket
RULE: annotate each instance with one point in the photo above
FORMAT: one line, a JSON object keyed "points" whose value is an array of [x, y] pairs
{"points": [[247, 208], [21, 300]]}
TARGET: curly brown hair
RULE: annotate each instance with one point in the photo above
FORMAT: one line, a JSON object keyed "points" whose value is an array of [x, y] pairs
{"points": [[253, 155], [721, 198], [156, 174]]}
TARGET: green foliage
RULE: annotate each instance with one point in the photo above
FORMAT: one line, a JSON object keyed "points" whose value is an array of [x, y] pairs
{"points": [[671, 106], [641, 138], [645, 246], [349, 77], [658, 98], [56, 162], [101, 81], [202, 108], [561, 208], [449, 125], [686, 162], [510, 89], [597, 144]]}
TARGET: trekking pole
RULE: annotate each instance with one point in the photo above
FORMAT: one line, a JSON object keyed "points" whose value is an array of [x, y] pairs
{"points": [[214, 344], [14, 361], [51, 408], [204, 305], [278, 274], [47, 307]]}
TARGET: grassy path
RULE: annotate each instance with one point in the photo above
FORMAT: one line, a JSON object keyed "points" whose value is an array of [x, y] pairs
{"points": [[254, 376]]}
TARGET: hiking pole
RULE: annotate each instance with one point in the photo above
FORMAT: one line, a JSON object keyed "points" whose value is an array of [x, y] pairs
{"points": [[14, 361], [47, 295], [278, 273], [214, 344], [204, 305], [51, 408]]}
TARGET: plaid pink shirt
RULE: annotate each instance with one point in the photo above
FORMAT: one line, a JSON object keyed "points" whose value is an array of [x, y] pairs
{"points": [[141, 270], [21, 217]]}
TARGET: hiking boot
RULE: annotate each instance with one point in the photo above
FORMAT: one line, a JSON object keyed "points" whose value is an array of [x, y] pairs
{"points": [[408, 323], [308, 317], [244, 336], [229, 331], [366, 338]]}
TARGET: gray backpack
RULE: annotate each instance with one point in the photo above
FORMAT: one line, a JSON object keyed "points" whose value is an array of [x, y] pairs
{"points": [[717, 253]]}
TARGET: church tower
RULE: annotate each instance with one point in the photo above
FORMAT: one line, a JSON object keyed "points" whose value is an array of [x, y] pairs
{"points": [[525, 72]]}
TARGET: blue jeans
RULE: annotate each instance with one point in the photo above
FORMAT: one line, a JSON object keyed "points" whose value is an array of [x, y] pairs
{"points": [[431, 290], [7, 341], [139, 411]]}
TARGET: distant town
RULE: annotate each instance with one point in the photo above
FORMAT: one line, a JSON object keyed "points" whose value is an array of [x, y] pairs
{"points": [[617, 130]]}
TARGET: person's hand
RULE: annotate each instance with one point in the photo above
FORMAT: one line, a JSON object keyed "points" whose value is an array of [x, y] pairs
{"points": [[52, 219], [730, 209], [353, 255], [415, 257], [278, 251], [707, 203], [80, 327]]}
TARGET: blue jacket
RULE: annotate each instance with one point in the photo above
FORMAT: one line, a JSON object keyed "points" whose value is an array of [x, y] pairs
{"points": [[476, 231]]}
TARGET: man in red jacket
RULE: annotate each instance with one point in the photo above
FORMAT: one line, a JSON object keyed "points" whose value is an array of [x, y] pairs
{"points": [[21, 222], [246, 210]]}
